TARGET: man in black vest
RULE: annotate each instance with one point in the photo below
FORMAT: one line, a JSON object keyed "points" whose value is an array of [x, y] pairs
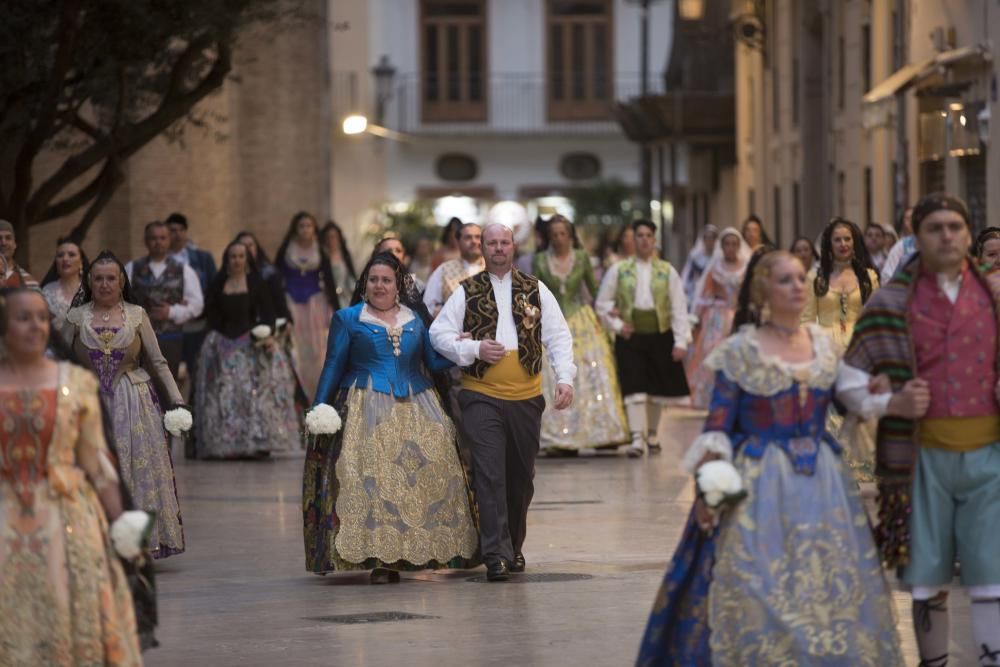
{"points": [[169, 290], [495, 326]]}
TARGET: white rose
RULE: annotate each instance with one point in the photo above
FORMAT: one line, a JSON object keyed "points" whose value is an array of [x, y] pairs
{"points": [[718, 480], [178, 421], [323, 420], [280, 322], [261, 331], [127, 532]]}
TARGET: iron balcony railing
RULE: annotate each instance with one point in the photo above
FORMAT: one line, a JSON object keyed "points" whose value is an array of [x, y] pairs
{"points": [[500, 103]]}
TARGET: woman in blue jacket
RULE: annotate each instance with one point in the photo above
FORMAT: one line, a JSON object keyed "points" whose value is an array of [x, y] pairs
{"points": [[387, 491]]}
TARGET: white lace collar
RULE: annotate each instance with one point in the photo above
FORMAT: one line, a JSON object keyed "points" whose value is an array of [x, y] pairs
{"points": [[741, 361], [404, 316]]}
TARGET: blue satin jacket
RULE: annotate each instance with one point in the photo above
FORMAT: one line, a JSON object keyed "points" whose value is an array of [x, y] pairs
{"points": [[358, 352]]}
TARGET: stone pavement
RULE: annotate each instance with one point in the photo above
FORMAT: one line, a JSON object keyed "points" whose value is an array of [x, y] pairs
{"points": [[601, 529]]}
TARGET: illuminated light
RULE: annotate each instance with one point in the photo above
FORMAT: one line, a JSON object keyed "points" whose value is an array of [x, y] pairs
{"points": [[655, 205], [453, 206], [956, 106], [944, 114], [961, 119], [600, 397], [512, 214], [355, 124]]}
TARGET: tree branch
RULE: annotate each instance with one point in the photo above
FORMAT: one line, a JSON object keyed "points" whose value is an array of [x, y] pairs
{"points": [[69, 24], [110, 179], [66, 206], [130, 138]]}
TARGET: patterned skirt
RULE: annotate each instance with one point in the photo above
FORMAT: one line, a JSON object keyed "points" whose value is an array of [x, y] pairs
{"points": [[245, 399], [715, 325], [64, 596], [596, 417], [791, 577], [388, 489], [311, 323], [144, 457]]}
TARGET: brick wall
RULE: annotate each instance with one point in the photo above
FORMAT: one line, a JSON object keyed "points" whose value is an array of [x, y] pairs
{"points": [[264, 156]]}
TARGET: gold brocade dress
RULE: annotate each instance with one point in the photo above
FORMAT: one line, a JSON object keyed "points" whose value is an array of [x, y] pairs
{"points": [[64, 596], [597, 417], [837, 313]]}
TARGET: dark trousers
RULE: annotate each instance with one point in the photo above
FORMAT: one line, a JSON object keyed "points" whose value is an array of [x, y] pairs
{"points": [[172, 349], [504, 446], [192, 351]]}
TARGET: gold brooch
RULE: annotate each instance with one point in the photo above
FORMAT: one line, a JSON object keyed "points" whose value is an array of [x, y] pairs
{"points": [[529, 314]]}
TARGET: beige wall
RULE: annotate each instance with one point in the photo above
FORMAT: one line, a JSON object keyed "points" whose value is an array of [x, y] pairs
{"points": [[359, 166]]}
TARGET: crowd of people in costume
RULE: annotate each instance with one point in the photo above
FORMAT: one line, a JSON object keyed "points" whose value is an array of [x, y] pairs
{"points": [[859, 368]]}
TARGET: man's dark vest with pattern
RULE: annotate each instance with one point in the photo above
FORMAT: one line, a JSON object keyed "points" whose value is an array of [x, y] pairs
{"points": [[481, 318], [147, 289]]}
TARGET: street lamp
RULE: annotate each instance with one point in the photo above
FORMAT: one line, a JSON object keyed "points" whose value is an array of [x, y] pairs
{"points": [[355, 124], [384, 74], [645, 155]]}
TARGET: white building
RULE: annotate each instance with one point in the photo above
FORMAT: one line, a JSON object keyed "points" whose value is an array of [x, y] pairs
{"points": [[493, 99]]}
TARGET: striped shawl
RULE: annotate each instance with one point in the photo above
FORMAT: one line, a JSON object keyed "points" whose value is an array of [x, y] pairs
{"points": [[882, 344]]}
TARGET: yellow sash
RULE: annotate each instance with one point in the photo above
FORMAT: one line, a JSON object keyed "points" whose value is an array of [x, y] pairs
{"points": [[959, 434], [506, 380]]}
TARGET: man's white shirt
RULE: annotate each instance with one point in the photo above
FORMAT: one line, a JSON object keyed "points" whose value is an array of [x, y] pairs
{"points": [[605, 301], [556, 337]]}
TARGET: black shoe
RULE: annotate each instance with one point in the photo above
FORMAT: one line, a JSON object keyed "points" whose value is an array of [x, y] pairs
{"points": [[518, 564], [497, 571]]}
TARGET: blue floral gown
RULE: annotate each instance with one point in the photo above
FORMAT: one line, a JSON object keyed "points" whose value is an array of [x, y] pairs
{"points": [[790, 576]]}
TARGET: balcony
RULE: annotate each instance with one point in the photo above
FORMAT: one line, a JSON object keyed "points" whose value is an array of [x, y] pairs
{"points": [[509, 104]]}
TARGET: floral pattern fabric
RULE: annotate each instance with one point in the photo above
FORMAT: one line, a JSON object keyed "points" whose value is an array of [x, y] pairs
{"points": [[137, 418], [65, 597], [388, 489], [791, 576], [246, 399]]}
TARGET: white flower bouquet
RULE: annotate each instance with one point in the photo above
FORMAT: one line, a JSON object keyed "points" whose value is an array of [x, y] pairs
{"points": [[261, 331], [719, 483], [178, 421], [323, 420], [280, 323], [130, 531]]}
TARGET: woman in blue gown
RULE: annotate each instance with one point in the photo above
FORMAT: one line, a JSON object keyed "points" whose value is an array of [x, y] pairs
{"points": [[789, 575], [388, 491]]}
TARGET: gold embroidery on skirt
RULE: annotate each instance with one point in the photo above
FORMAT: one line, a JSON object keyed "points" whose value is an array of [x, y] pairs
{"points": [[402, 488]]}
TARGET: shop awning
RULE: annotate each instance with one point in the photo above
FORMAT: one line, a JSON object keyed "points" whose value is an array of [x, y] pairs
{"points": [[912, 74], [897, 82]]}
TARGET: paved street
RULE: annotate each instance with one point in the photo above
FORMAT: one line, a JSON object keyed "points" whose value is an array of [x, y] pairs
{"points": [[603, 528]]}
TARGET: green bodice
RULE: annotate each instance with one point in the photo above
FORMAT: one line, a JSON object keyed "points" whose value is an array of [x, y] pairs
{"points": [[568, 291]]}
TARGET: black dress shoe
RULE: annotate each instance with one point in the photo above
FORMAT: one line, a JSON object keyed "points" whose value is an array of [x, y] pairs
{"points": [[497, 571], [518, 564]]}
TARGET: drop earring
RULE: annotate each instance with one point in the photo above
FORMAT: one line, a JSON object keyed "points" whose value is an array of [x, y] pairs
{"points": [[765, 312]]}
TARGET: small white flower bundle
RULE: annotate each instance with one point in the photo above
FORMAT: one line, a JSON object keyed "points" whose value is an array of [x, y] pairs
{"points": [[178, 421], [261, 331], [280, 323], [129, 531], [323, 420], [719, 482]]}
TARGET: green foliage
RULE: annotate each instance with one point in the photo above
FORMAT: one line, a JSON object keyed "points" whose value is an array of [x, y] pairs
{"points": [[604, 202], [408, 223]]}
